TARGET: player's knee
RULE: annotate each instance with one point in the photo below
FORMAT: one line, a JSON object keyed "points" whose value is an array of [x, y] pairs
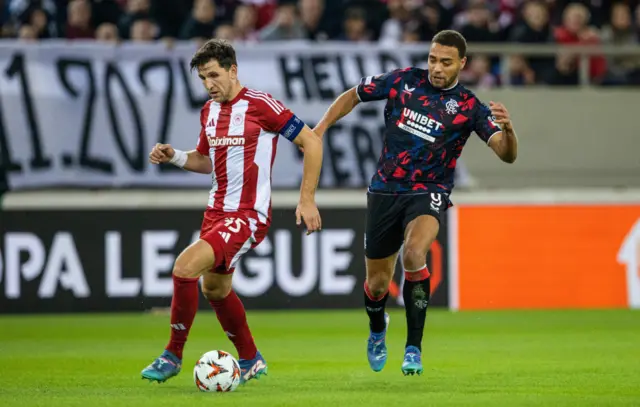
{"points": [[413, 257], [194, 261], [378, 285], [215, 292], [183, 269]]}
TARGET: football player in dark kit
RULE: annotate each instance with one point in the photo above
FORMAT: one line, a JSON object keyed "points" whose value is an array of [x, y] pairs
{"points": [[428, 116]]}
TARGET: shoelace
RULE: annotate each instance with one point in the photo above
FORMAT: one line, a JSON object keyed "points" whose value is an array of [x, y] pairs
{"points": [[164, 363], [373, 346], [412, 357]]}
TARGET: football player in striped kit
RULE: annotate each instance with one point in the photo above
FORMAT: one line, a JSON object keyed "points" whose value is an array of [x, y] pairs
{"points": [[240, 128]]}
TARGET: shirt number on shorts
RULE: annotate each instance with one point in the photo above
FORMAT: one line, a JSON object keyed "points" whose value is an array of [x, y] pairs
{"points": [[436, 201], [234, 224]]}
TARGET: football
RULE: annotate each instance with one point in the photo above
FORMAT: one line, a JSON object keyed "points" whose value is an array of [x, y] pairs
{"points": [[217, 371]]}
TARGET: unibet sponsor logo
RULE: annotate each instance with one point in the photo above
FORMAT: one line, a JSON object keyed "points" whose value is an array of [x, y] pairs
{"points": [[226, 141], [419, 124]]}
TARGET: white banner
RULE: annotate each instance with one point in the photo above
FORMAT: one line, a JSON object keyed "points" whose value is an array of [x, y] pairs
{"points": [[85, 114]]}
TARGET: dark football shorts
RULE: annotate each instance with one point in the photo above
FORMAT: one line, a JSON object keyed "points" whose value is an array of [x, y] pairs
{"points": [[389, 215]]}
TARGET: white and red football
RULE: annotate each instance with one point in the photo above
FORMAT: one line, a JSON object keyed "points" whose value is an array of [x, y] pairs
{"points": [[217, 371]]}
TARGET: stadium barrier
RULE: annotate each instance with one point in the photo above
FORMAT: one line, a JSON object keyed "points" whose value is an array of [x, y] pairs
{"points": [[110, 251], [546, 248], [85, 114], [572, 255], [76, 251]]}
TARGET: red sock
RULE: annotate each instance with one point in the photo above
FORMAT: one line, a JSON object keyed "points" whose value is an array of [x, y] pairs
{"points": [[233, 319], [418, 275], [184, 305]]}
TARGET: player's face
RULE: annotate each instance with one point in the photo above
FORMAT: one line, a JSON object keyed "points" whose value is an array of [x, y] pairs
{"points": [[217, 80], [444, 65]]}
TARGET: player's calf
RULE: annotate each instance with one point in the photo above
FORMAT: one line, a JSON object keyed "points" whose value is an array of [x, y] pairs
{"points": [[230, 313], [191, 263], [376, 286], [375, 307], [416, 291]]}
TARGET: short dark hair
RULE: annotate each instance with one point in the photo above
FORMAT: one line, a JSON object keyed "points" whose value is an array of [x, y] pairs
{"points": [[215, 49], [451, 38]]}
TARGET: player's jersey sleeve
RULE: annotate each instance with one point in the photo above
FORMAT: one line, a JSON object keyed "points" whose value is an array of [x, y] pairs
{"points": [[203, 143], [277, 118], [484, 123], [379, 87]]}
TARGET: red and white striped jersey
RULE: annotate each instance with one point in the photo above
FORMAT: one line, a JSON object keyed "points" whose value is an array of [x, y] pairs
{"points": [[240, 136]]}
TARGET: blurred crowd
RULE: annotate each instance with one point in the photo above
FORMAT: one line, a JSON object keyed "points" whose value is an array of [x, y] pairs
{"points": [[385, 21]]}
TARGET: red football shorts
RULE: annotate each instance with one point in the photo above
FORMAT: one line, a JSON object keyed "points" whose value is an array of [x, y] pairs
{"points": [[231, 235]]}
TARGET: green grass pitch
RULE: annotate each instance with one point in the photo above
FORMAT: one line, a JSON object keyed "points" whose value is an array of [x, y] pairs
{"points": [[317, 358]]}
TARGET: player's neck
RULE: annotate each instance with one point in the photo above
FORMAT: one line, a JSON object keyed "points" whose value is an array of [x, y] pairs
{"points": [[235, 91]]}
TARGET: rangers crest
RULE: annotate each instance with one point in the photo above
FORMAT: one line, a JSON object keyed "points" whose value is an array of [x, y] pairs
{"points": [[451, 106]]}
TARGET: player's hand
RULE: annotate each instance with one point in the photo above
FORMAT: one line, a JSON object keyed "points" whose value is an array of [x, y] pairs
{"points": [[501, 114], [161, 153], [308, 212]]}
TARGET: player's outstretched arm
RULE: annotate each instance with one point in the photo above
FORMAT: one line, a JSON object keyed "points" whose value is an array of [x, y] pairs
{"points": [[371, 88], [504, 143], [341, 107], [307, 210], [189, 160]]}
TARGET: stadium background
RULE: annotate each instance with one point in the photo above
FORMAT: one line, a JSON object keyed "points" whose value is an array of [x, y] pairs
{"points": [[87, 225]]}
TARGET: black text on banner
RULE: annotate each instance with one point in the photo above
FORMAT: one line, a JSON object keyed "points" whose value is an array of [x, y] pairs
{"points": [[72, 115]]}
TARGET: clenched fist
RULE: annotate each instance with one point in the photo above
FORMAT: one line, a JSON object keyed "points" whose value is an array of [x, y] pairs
{"points": [[161, 153]]}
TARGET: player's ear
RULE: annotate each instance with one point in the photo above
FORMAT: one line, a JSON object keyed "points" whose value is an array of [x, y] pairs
{"points": [[233, 72], [463, 62]]}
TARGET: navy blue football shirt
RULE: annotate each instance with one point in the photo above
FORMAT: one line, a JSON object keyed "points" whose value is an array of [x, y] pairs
{"points": [[426, 129]]}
